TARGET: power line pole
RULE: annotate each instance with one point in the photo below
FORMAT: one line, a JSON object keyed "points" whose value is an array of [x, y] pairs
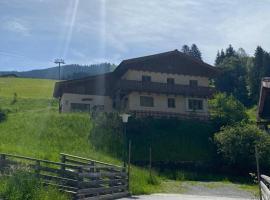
{"points": [[59, 62]]}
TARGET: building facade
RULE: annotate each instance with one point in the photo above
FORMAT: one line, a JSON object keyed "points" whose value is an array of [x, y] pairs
{"points": [[170, 84], [263, 117]]}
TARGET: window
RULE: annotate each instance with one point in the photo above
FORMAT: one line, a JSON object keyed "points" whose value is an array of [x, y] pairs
{"points": [[195, 104], [193, 83], [98, 108], [170, 81], [80, 107], [146, 78], [171, 103], [146, 101]]}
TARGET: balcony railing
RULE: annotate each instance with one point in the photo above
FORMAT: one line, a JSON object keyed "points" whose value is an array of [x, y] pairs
{"points": [[155, 87]]}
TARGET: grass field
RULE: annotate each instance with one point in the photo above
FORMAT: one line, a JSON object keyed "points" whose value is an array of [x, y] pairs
{"points": [[35, 128]]}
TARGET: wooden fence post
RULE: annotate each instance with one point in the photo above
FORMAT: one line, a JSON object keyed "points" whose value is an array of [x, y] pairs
{"points": [[258, 171], [80, 181], [129, 159], [150, 162], [63, 160], [37, 168], [2, 160]]}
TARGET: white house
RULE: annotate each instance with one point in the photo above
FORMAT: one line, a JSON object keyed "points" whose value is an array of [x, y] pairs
{"points": [[170, 84]]}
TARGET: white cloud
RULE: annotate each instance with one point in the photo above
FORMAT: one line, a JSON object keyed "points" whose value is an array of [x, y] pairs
{"points": [[112, 30], [17, 25]]}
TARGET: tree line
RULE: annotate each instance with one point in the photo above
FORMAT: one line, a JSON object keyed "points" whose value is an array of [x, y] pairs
{"points": [[241, 73]]}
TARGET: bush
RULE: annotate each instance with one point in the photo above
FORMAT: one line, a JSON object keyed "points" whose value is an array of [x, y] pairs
{"points": [[20, 186], [3, 115], [237, 143], [171, 140], [226, 110], [107, 134]]}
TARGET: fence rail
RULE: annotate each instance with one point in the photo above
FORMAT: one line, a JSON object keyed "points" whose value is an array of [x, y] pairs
{"points": [[265, 185], [80, 177]]}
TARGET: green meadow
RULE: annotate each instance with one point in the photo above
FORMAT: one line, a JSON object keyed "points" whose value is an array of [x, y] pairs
{"points": [[35, 128]]}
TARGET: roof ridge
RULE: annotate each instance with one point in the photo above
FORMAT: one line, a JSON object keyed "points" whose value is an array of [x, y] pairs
{"points": [[149, 56], [86, 78]]}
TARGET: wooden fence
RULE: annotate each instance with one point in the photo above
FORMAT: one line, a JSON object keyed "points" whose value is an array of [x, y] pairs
{"points": [[81, 178], [265, 185]]}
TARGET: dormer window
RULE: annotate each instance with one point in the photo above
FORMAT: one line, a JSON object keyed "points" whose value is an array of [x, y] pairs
{"points": [[193, 83], [146, 78], [170, 81]]}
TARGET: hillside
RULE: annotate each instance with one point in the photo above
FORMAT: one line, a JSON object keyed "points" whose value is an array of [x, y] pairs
{"points": [[67, 71], [26, 88], [35, 128]]}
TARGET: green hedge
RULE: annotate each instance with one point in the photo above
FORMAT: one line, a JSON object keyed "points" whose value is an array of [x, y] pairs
{"points": [[170, 140]]}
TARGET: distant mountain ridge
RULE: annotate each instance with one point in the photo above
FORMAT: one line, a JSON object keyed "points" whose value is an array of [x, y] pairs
{"points": [[68, 72]]}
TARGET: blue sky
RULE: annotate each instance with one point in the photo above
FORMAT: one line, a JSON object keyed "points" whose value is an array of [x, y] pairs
{"points": [[35, 32]]}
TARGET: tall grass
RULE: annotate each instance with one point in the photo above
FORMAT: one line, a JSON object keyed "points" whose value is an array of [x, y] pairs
{"points": [[22, 185], [35, 128]]}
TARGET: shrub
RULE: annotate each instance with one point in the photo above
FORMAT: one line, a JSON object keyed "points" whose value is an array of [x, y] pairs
{"points": [[20, 186], [107, 133], [3, 115], [227, 110], [171, 140], [23, 185], [237, 143]]}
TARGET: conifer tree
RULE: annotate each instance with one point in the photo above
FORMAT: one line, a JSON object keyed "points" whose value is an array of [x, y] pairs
{"points": [[230, 51], [195, 52], [185, 49], [256, 73]]}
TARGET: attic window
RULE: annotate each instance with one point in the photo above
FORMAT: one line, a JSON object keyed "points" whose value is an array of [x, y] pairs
{"points": [[193, 83], [170, 81], [146, 78]]}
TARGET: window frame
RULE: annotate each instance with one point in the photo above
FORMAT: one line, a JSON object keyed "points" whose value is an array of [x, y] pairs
{"points": [[171, 103], [196, 109], [146, 78], [143, 104], [172, 81], [193, 83], [86, 105]]}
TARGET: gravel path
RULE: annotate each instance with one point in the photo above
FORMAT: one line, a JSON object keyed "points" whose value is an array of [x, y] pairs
{"points": [[216, 189], [179, 197], [195, 190]]}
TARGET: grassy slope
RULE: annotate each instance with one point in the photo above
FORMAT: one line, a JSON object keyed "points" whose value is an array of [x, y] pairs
{"points": [[26, 88], [252, 113], [35, 128]]}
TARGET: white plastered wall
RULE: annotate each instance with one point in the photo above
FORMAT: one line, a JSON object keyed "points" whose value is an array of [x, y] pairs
{"points": [[162, 77], [161, 103], [93, 100]]}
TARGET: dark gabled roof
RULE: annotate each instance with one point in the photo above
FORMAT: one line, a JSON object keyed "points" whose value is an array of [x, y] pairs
{"points": [[264, 102], [168, 62], [96, 85], [173, 62]]}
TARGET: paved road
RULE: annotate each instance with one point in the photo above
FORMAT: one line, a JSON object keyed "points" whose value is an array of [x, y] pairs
{"points": [[180, 197]]}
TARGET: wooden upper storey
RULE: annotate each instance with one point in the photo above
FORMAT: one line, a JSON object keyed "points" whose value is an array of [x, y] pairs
{"points": [[171, 71]]}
